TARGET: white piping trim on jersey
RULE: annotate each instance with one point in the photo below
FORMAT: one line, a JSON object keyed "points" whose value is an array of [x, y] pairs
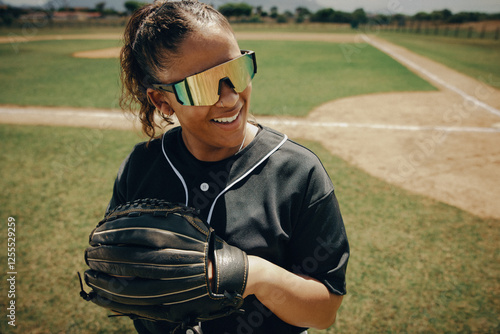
{"points": [[244, 176], [229, 186], [175, 169]]}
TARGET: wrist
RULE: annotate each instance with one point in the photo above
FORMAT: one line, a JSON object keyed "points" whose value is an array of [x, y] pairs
{"points": [[210, 270], [258, 272]]}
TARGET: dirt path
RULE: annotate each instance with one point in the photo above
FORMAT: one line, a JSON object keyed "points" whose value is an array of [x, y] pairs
{"points": [[440, 144]]}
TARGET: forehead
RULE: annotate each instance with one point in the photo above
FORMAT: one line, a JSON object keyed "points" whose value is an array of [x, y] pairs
{"points": [[200, 51]]}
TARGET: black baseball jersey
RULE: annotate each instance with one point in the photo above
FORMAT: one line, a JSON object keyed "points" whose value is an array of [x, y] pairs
{"points": [[273, 199]]}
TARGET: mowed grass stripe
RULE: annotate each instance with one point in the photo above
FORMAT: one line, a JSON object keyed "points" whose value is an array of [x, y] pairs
{"points": [[476, 58]]}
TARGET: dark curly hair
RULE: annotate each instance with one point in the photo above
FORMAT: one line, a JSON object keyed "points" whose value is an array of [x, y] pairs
{"points": [[151, 40]]}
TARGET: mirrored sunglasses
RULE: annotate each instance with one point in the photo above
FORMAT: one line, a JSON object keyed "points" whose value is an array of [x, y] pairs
{"points": [[204, 88]]}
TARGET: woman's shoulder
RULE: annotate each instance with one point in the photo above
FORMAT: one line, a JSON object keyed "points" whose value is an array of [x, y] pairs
{"points": [[153, 147], [301, 167], [291, 150]]}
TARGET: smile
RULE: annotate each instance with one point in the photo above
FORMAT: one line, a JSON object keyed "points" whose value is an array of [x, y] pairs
{"points": [[226, 119]]}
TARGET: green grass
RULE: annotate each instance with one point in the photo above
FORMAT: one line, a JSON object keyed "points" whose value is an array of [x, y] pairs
{"points": [[57, 189], [293, 77], [31, 30], [45, 29], [417, 266], [474, 57], [44, 73]]}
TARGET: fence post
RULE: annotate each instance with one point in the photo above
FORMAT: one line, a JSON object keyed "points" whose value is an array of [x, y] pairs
{"points": [[469, 33], [483, 32]]}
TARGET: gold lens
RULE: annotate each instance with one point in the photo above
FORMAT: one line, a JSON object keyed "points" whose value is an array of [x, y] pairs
{"points": [[202, 89]]}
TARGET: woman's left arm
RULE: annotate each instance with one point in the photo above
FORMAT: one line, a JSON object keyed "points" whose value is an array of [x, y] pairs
{"points": [[301, 301]]}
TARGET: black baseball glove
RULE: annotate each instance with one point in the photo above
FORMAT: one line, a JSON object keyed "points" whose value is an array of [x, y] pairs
{"points": [[149, 258]]}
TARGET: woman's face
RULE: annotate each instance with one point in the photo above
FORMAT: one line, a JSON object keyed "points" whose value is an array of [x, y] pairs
{"points": [[211, 133]]}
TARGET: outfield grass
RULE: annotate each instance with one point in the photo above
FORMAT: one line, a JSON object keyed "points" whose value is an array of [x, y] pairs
{"points": [[293, 77], [44, 73], [477, 58], [31, 30], [417, 266]]}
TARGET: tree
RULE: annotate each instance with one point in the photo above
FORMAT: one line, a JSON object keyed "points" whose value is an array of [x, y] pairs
{"points": [[341, 17], [440, 15], [132, 6], [422, 16], [464, 17], [260, 12], [99, 7], [446, 13], [358, 17], [400, 19], [330, 15], [302, 11], [274, 12], [323, 15], [283, 18], [236, 9]]}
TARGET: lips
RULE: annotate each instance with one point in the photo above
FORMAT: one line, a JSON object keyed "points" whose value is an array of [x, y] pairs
{"points": [[226, 119]]}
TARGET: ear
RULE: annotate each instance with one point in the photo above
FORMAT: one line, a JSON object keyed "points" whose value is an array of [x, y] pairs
{"points": [[160, 102]]}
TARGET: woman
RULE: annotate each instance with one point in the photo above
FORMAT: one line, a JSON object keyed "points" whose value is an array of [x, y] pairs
{"points": [[260, 191]]}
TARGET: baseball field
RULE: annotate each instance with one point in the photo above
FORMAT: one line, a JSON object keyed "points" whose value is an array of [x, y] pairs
{"points": [[408, 128]]}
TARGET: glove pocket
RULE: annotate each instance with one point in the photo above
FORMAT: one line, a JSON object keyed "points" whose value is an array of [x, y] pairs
{"points": [[145, 262]]}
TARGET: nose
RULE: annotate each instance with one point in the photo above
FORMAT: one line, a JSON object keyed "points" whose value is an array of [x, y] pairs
{"points": [[227, 94]]}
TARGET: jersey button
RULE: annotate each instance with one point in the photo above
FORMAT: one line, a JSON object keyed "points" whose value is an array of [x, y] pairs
{"points": [[204, 187]]}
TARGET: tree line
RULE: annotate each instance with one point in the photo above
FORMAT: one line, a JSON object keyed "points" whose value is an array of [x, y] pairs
{"points": [[243, 12], [246, 12]]}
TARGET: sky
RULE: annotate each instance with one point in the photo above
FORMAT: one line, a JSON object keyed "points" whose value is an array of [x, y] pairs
{"points": [[409, 7]]}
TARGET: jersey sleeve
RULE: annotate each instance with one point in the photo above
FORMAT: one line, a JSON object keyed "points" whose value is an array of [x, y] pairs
{"points": [[120, 186], [320, 248], [318, 245], [129, 176], [144, 173]]}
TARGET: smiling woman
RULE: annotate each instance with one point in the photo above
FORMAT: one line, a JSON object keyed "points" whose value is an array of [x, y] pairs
{"points": [[260, 192], [210, 134]]}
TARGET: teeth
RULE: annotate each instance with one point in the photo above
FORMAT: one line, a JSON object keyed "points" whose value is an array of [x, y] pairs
{"points": [[226, 119]]}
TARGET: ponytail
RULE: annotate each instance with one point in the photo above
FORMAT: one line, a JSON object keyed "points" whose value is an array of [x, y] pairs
{"points": [[152, 38]]}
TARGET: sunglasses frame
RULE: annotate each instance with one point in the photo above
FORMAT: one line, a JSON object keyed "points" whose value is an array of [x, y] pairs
{"points": [[172, 89]]}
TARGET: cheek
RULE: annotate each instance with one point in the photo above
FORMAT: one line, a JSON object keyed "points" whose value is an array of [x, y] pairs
{"points": [[246, 94], [189, 116]]}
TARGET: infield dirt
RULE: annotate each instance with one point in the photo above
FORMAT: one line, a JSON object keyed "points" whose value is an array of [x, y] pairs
{"points": [[439, 144]]}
